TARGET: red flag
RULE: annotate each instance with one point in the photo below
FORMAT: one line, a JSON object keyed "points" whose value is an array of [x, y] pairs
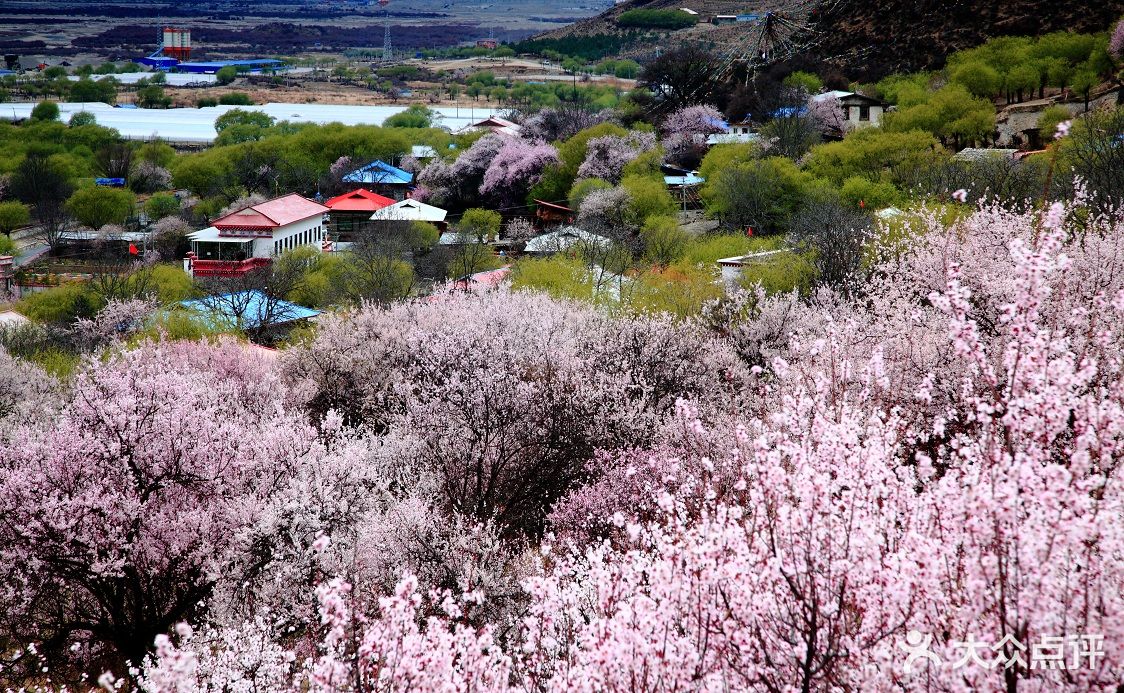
{"points": [[749, 230], [133, 249]]}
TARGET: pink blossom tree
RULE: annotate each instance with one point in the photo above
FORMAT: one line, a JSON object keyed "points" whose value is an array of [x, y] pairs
{"points": [[123, 515], [1116, 43], [457, 184], [26, 391], [694, 120], [827, 114], [517, 167], [607, 156]]}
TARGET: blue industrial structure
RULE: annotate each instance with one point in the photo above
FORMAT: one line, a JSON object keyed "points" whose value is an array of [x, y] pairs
{"points": [[211, 67]]}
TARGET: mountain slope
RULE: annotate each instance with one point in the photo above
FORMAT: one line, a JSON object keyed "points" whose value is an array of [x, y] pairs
{"points": [[867, 41]]}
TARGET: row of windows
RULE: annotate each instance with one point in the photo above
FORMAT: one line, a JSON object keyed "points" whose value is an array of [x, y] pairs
{"points": [[307, 237]]}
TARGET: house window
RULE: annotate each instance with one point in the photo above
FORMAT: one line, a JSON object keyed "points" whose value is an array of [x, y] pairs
{"points": [[864, 112]]}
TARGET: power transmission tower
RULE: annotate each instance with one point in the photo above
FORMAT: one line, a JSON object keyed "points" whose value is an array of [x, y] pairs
{"points": [[387, 51]]}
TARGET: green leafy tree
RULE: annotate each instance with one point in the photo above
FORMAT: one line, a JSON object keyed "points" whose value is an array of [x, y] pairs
{"points": [[226, 75], [45, 111], [859, 192], [152, 96], [648, 197], [656, 19], [978, 78], [238, 116], [806, 81], [664, 241], [13, 215], [761, 194], [94, 91], [871, 149], [1082, 82], [951, 113], [415, 116], [1022, 79], [560, 276], [161, 205], [480, 224], [82, 118], [97, 206]]}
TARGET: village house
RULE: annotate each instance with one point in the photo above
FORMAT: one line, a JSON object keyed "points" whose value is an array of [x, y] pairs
{"points": [[858, 110], [350, 215], [249, 238], [382, 178], [495, 124], [412, 210]]}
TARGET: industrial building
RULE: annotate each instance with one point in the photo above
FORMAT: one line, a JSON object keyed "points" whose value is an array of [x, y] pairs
{"points": [[211, 67], [174, 52]]}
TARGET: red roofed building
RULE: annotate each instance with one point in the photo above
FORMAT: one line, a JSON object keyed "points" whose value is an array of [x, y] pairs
{"points": [[351, 213], [243, 240]]}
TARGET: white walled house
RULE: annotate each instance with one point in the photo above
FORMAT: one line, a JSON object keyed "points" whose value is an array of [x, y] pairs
{"points": [[858, 110], [251, 237]]}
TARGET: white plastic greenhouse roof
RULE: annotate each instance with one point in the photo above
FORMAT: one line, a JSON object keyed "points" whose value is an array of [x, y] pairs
{"points": [[197, 125], [171, 79]]}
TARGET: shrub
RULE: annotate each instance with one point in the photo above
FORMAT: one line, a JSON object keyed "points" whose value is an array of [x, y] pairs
{"points": [[61, 304], [236, 98], [45, 110], [656, 19], [82, 118], [413, 117]]}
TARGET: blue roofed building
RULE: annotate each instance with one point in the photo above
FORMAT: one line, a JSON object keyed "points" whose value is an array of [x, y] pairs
{"points": [[212, 67], [251, 310], [382, 178]]}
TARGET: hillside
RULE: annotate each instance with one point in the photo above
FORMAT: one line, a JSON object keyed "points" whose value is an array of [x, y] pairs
{"points": [[865, 41]]}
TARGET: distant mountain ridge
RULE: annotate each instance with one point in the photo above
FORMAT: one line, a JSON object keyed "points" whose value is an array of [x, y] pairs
{"points": [[867, 41]]}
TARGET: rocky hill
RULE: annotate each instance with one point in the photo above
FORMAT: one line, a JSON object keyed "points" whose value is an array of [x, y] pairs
{"points": [[864, 40]]}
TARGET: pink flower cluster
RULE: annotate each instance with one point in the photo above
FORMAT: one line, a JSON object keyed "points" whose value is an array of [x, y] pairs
{"points": [[506, 492]]}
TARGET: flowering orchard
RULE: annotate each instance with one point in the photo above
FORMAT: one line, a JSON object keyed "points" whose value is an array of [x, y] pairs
{"points": [[915, 487]]}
